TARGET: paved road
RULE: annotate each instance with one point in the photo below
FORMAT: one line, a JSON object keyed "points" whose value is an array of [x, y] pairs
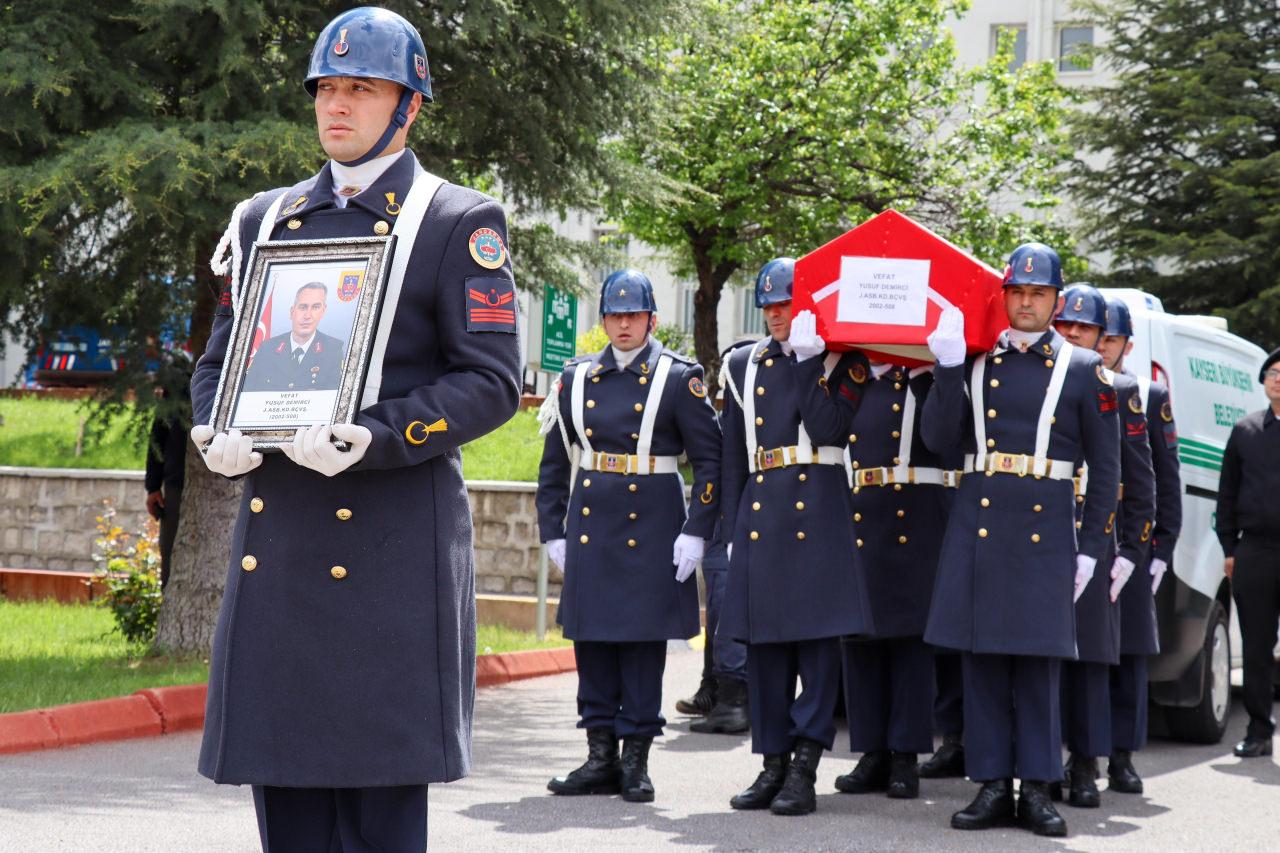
{"points": [[144, 795]]}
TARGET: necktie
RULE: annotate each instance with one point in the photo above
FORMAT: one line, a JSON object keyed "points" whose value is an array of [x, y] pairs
{"points": [[298, 353]]}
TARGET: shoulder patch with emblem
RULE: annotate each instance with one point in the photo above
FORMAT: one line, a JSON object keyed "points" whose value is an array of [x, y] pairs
{"points": [[1135, 404], [224, 307], [858, 373], [1107, 400], [491, 305], [486, 248], [1166, 412], [696, 387], [1104, 375]]}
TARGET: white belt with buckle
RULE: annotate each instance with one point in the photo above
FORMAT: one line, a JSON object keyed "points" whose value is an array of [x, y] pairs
{"points": [[1024, 466], [628, 463], [783, 457], [863, 477]]}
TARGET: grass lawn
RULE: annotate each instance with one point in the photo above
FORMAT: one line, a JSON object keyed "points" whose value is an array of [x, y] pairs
{"points": [[42, 433], [52, 654]]}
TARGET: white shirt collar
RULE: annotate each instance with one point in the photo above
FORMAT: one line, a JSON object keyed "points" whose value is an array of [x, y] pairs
{"points": [[624, 359], [1021, 341], [361, 176], [306, 345], [878, 370]]}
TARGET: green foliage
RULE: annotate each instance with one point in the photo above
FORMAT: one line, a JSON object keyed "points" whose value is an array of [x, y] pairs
{"points": [[495, 639], [669, 334], [511, 452], [783, 124], [129, 567], [45, 433], [592, 340], [1187, 198]]}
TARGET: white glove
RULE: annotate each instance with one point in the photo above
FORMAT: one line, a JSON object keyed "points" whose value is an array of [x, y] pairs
{"points": [[313, 448], [686, 554], [946, 342], [229, 454], [1120, 571], [1084, 571], [555, 553], [1158, 568], [805, 341]]}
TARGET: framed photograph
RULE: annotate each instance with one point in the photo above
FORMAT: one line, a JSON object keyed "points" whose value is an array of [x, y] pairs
{"points": [[303, 336]]}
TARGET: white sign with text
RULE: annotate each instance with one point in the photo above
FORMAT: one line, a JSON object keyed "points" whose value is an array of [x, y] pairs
{"points": [[884, 291], [267, 409]]}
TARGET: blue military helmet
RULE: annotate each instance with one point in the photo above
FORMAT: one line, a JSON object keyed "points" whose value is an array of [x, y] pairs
{"points": [[626, 292], [1034, 263], [1119, 320], [379, 44], [1083, 304], [773, 284]]}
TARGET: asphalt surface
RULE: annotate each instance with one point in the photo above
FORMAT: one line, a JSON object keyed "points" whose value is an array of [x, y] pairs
{"points": [[144, 795]]}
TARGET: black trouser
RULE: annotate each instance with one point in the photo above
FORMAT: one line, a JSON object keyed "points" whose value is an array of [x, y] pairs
{"points": [[1255, 584], [948, 704], [342, 820], [620, 686], [169, 528]]}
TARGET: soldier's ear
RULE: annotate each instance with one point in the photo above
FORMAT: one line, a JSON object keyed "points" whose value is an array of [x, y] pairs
{"points": [[653, 323], [1128, 347]]}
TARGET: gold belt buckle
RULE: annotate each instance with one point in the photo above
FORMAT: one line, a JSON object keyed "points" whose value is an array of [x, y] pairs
{"points": [[1009, 463], [611, 463], [871, 477], [772, 458]]}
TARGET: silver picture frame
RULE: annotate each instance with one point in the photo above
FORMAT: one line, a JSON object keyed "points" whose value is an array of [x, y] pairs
{"points": [[271, 384]]}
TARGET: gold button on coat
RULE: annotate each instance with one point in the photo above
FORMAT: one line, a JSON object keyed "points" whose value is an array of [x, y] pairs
{"points": [[852, 439], [902, 540], [633, 487], [644, 380], [800, 535], [759, 478], [381, 228], [897, 408], [588, 432], [991, 442], [343, 514], [338, 572], [995, 383], [639, 407], [755, 534], [755, 505], [584, 539], [1035, 537], [986, 502], [982, 531], [248, 562], [902, 513], [803, 477], [294, 224], [591, 404], [256, 505], [857, 516], [759, 421], [631, 543], [1037, 507], [586, 510], [760, 391], [897, 487], [859, 543], [632, 516], [1048, 362], [768, 362], [991, 413], [586, 484], [799, 504]]}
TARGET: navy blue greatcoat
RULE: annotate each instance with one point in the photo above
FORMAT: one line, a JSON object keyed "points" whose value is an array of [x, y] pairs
{"points": [[1138, 632], [793, 574], [367, 680], [619, 581], [1007, 569], [899, 528]]}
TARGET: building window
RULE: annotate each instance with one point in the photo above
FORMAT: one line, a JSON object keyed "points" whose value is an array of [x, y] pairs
{"points": [[752, 317], [687, 308], [1019, 43], [1073, 49]]}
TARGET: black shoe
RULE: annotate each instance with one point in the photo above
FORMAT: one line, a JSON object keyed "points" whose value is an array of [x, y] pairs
{"points": [[1122, 777], [992, 807], [701, 703], [766, 786], [1253, 747], [636, 786], [1082, 782], [1036, 812], [947, 762], [601, 773], [797, 795], [870, 774], [729, 716], [904, 776], [1055, 789]]}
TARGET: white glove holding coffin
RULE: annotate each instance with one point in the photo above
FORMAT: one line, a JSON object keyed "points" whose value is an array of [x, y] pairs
{"points": [[946, 342], [804, 339]]}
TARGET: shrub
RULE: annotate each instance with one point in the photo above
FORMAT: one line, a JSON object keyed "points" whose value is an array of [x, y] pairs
{"points": [[129, 567]]}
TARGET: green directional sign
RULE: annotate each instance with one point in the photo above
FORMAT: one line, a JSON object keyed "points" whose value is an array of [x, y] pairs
{"points": [[559, 328]]}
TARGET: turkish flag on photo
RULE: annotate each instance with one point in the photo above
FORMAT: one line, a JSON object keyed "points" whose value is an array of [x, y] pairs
{"points": [[263, 330]]}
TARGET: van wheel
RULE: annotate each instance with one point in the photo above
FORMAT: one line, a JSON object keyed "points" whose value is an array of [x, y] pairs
{"points": [[1207, 721]]}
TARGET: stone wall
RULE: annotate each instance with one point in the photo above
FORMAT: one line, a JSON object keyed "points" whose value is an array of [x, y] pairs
{"points": [[47, 521]]}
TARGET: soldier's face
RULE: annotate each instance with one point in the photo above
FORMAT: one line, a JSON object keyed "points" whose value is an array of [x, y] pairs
{"points": [[1113, 349], [777, 319], [1031, 306], [353, 112], [305, 313], [628, 331], [1080, 334]]}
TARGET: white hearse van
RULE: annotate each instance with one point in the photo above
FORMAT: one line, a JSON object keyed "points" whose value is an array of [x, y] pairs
{"points": [[1213, 382]]}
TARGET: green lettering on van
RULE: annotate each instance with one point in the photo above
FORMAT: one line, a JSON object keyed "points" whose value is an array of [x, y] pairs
{"points": [[1219, 373], [1227, 416]]}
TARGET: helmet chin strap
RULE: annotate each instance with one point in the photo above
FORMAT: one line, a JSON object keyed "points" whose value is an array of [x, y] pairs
{"points": [[398, 120]]}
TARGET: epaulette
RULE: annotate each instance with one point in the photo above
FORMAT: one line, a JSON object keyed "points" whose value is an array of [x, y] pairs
{"points": [[738, 344], [679, 356]]}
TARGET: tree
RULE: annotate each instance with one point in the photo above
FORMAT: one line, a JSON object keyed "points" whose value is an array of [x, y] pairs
{"points": [[1187, 198], [133, 128], [783, 124]]}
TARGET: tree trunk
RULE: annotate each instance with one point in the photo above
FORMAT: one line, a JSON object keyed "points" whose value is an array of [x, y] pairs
{"points": [[706, 302], [201, 547], [201, 550]]}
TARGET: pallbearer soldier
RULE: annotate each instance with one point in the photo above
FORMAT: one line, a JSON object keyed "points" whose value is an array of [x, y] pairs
{"points": [[626, 547], [1086, 682], [794, 583], [1010, 565], [1139, 636], [901, 496]]}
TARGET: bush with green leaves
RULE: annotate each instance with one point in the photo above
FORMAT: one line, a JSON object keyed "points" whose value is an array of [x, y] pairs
{"points": [[129, 568]]}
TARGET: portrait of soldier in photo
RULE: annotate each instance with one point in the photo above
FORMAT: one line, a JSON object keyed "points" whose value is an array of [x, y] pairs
{"points": [[303, 358]]}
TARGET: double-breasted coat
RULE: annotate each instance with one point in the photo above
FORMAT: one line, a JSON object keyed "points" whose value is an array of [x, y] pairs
{"points": [[344, 654], [1139, 634], [899, 526], [619, 528], [1099, 620], [794, 573], [1007, 570]]}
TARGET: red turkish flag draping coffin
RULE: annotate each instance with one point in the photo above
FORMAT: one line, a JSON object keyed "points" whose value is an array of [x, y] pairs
{"points": [[881, 287]]}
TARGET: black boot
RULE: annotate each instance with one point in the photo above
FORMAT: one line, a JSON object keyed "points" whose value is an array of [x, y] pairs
{"points": [[871, 773], [701, 703], [797, 795], [636, 787], [766, 786], [904, 776], [730, 712], [947, 762], [600, 775], [992, 807], [1036, 812], [1122, 777], [1082, 781]]}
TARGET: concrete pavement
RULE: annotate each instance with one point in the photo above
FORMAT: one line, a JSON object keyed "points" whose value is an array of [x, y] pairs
{"points": [[144, 795]]}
